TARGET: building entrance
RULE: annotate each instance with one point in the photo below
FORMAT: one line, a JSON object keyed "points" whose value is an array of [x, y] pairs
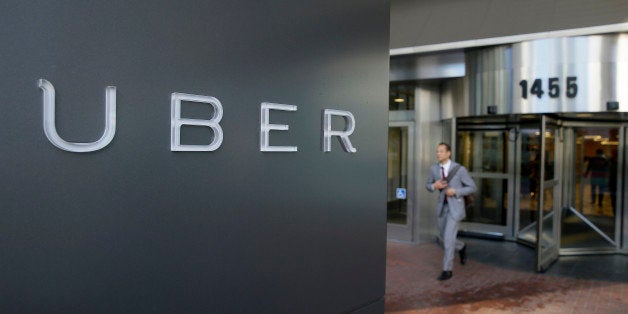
{"points": [[592, 192], [530, 169]]}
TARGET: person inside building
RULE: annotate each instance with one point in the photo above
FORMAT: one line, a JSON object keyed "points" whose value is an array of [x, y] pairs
{"points": [[598, 170]]}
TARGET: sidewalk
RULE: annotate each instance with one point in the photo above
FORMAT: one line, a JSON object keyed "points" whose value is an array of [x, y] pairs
{"points": [[499, 277]]}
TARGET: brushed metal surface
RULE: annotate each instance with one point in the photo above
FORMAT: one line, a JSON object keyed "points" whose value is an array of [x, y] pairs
{"points": [[597, 65]]}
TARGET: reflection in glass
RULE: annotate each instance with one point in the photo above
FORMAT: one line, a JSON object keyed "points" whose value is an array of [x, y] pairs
{"points": [[490, 204], [550, 159], [547, 239], [483, 151], [397, 173], [529, 187]]}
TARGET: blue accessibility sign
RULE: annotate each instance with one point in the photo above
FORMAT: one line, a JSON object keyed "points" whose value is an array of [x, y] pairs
{"points": [[401, 193]]}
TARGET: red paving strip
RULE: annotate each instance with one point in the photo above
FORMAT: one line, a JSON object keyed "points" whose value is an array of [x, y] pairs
{"points": [[411, 287]]}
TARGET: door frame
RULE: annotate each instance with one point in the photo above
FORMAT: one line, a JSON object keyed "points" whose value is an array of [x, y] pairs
{"points": [[548, 254], [489, 230]]}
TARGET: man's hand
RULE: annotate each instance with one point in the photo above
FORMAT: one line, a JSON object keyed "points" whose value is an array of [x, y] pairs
{"points": [[450, 192], [440, 184]]}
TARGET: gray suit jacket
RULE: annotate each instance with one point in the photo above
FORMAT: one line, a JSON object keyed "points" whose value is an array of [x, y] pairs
{"points": [[461, 182]]}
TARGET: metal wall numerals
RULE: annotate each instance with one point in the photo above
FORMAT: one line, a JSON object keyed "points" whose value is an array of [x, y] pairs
{"points": [[553, 87]]}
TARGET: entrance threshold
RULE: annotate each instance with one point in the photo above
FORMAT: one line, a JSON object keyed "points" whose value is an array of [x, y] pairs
{"points": [[482, 235], [592, 251]]}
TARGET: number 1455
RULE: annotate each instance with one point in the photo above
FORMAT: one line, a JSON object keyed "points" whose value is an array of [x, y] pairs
{"points": [[553, 87]]}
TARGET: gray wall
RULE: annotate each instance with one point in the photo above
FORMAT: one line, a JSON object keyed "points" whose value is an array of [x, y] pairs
{"points": [[425, 22], [137, 228]]}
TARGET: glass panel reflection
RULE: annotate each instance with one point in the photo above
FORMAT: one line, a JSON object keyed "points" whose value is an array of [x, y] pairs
{"points": [[490, 203], [397, 174], [486, 151], [549, 154], [483, 151], [529, 188], [547, 238]]}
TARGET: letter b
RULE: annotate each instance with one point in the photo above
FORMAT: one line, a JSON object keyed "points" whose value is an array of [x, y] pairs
{"points": [[176, 122]]}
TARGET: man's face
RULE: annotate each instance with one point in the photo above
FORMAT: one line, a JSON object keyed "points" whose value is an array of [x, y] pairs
{"points": [[442, 154]]}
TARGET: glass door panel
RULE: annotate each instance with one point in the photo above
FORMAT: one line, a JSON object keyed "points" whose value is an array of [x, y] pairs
{"points": [[400, 212], [397, 175], [589, 220], [548, 205], [530, 169], [485, 153]]}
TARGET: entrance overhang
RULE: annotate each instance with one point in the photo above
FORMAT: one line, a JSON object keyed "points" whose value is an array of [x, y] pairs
{"points": [[505, 40]]}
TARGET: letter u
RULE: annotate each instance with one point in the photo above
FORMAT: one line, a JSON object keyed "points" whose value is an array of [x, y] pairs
{"points": [[50, 127]]}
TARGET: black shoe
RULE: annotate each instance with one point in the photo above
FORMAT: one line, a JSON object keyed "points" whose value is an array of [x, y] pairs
{"points": [[463, 255], [445, 275]]}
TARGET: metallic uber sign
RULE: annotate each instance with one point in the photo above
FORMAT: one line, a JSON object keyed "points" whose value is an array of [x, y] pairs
{"points": [[176, 122]]}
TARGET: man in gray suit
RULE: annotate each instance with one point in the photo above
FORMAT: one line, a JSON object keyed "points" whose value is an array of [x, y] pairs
{"points": [[450, 207]]}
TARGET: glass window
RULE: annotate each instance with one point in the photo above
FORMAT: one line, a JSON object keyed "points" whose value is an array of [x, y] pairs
{"points": [[483, 151], [490, 202], [529, 188]]}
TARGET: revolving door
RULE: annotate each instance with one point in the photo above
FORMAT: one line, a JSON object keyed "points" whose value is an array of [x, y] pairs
{"points": [[552, 184]]}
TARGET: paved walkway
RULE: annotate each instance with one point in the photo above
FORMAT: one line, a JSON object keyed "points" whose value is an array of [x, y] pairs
{"points": [[499, 277]]}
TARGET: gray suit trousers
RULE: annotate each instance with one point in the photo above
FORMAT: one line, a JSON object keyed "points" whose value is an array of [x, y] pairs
{"points": [[448, 227]]}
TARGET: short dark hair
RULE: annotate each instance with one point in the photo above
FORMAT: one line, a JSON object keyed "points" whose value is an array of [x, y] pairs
{"points": [[446, 146]]}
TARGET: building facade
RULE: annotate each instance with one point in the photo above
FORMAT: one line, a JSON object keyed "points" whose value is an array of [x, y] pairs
{"points": [[533, 98]]}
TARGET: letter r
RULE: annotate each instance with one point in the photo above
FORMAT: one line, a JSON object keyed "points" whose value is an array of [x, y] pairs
{"points": [[343, 135]]}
